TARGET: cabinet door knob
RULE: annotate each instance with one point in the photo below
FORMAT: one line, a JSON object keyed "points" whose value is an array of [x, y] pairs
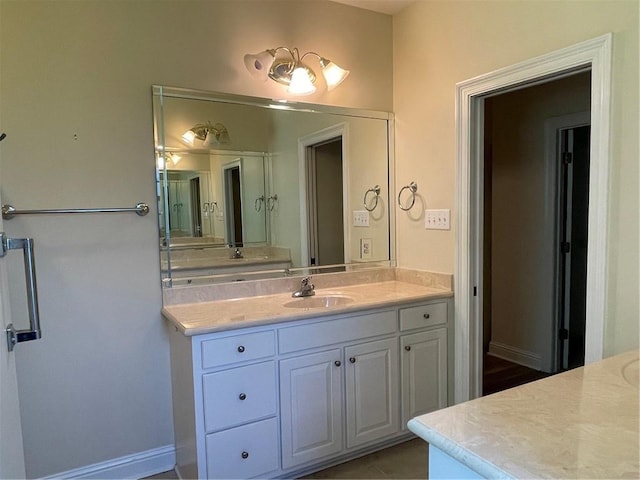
{"points": [[242, 396], [245, 455], [241, 349], [352, 359], [426, 315], [407, 348], [337, 363]]}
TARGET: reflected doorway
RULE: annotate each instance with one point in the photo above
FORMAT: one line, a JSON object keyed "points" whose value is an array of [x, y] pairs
{"points": [[233, 204], [196, 217], [325, 203]]}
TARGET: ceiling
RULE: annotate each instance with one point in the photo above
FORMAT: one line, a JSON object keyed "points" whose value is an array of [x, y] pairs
{"points": [[390, 7]]}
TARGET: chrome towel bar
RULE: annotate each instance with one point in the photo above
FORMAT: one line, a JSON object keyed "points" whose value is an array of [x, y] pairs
{"points": [[8, 211]]}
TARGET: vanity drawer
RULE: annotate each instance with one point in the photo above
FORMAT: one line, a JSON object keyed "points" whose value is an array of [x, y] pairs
{"points": [[243, 452], [331, 332], [239, 395], [238, 348], [423, 316]]}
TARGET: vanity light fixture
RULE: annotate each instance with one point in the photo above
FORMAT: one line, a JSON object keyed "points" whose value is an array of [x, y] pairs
{"points": [[209, 133], [287, 67]]}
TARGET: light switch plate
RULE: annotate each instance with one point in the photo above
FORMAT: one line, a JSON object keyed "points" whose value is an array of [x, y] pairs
{"points": [[437, 219], [360, 218]]}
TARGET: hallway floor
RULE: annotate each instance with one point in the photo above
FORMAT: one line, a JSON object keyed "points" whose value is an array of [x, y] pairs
{"points": [[499, 374]]}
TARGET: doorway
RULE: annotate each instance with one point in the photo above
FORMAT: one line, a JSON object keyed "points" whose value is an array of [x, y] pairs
{"points": [[574, 232], [594, 55], [527, 227], [325, 203]]}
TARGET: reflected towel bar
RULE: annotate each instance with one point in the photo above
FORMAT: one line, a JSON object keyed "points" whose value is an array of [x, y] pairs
{"points": [[8, 211]]}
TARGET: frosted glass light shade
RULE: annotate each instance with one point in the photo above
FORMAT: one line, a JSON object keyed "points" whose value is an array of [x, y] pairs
{"points": [[301, 83], [189, 136], [333, 74], [259, 64]]}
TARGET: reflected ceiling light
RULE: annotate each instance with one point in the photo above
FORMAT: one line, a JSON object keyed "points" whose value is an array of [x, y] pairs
{"points": [[287, 67], [209, 133], [170, 157]]}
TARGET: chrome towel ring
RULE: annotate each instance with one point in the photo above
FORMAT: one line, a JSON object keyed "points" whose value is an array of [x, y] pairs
{"points": [[271, 202], [257, 204], [376, 192], [413, 188]]}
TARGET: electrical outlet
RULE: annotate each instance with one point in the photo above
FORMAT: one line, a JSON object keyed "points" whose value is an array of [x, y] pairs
{"points": [[365, 248], [437, 219], [360, 218]]}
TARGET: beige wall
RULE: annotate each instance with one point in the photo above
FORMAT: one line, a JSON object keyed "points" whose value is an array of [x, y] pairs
{"points": [[437, 44], [97, 386]]}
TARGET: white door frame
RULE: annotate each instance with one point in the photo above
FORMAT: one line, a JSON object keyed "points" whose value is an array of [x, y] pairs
{"points": [[340, 130], [594, 55]]}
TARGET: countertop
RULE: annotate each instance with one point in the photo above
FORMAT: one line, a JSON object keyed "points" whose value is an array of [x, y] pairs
{"points": [[206, 317], [579, 424]]}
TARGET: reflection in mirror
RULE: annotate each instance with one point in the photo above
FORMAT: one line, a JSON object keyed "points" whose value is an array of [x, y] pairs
{"points": [[260, 188]]}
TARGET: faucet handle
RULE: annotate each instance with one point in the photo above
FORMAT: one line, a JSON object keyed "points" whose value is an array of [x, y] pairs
{"points": [[306, 281]]}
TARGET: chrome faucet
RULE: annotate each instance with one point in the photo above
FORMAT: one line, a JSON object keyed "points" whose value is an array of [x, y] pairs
{"points": [[237, 253], [306, 288]]}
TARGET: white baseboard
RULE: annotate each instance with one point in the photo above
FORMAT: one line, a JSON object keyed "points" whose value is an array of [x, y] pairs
{"points": [[132, 467], [516, 355]]}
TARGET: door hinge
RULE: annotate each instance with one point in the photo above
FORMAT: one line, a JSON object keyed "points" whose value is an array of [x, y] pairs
{"points": [[567, 158], [565, 247], [563, 334]]}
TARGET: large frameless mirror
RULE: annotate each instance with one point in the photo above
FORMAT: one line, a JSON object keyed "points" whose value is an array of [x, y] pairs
{"points": [[252, 188]]}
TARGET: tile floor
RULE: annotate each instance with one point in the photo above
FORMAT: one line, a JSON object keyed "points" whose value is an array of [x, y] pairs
{"points": [[407, 460]]}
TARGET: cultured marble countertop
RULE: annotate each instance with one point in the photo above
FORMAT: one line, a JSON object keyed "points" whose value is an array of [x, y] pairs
{"points": [[579, 424], [206, 317]]}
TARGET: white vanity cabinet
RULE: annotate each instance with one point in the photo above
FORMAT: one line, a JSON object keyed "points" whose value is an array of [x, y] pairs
{"points": [[289, 398], [423, 359]]}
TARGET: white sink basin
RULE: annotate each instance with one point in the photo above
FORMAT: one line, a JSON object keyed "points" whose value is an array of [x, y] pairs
{"points": [[319, 301]]}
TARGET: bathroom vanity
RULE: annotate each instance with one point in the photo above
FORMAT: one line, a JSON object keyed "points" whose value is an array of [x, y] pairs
{"points": [[271, 386]]}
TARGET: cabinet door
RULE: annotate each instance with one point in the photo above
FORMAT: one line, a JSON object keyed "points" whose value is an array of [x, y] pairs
{"points": [[372, 391], [311, 407], [424, 373]]}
